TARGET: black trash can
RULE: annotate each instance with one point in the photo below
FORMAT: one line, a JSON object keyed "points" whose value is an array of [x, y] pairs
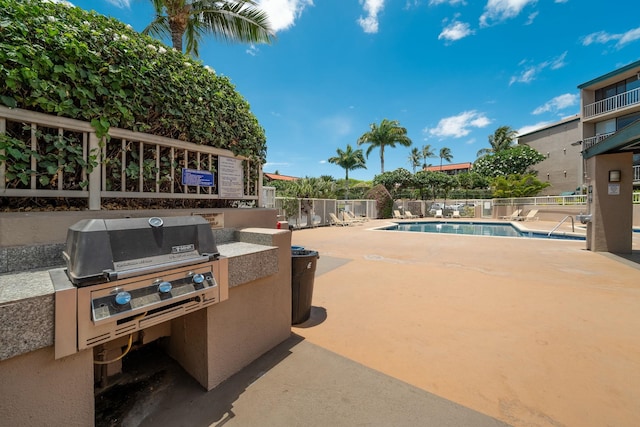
{"points": [[303, 270]]}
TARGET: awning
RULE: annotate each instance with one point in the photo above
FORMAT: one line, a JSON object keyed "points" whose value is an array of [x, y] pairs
{"points": [[626, 139]]}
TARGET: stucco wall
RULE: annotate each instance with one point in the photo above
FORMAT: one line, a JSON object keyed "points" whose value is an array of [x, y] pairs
{"points": [[215, 343], [40, 228], [611, 213], [37, 390], [555, 143]]}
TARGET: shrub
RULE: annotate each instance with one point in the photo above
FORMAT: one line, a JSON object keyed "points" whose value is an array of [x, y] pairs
{"points": [[59, 59]]}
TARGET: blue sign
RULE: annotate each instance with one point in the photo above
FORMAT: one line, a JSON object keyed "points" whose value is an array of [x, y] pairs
{"points": [[197, 177]]}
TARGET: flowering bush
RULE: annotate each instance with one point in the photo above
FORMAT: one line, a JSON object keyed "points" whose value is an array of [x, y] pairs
{"points": [[59, 59], [515, 160]]}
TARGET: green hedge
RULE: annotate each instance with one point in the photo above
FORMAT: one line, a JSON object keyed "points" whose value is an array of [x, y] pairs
{"points": [[63, 60]]}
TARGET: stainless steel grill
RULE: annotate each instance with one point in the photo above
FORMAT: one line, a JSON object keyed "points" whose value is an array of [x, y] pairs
{"points": [[124, 275]]}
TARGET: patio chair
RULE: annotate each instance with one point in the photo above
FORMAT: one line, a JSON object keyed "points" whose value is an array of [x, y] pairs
{"points": [[397, 215], [438, 214], [514, 216], [532, 215], [455, 214], [348, 216], [336, 221], [409, 215]]}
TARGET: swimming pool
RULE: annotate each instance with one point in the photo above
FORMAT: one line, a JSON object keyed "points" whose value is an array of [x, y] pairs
{"points": [[475, 229]]}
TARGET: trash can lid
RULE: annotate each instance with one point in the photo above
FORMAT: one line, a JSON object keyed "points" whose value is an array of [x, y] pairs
{"points": [[304, 253]]}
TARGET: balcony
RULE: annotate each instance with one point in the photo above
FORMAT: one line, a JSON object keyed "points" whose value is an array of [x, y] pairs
{"points": [[636, 174], [611, 105], [590, 142]]}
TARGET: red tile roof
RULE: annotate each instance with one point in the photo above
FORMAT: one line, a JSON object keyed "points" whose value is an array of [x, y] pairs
{"points": [[450, 167], [274, 177]]}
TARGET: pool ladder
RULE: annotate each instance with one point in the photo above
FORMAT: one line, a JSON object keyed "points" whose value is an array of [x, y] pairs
{"points": [[573, 226]]}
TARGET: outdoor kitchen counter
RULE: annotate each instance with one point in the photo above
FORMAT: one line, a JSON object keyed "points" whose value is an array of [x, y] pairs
{"points": [[27, 298]]}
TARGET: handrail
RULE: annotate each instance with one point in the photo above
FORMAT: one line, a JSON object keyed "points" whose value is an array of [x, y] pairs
{"points": [[573, 226]]}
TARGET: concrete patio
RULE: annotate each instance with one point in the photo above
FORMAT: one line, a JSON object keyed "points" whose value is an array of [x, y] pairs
{"points": [[413, 329]]}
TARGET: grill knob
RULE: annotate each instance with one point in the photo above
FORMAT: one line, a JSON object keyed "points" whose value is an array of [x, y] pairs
{"points": [[165, 287], [123, 298], [198, 279]]}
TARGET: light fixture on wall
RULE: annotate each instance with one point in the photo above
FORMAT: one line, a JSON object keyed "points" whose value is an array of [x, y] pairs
{"points": [[565, 174], [614, 176]]}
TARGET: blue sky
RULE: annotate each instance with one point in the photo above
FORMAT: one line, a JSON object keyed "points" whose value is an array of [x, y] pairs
{"points": [[450, 71]]}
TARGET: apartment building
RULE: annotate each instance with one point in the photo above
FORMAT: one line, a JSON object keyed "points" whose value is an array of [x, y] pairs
{"points": [[561, 145], [610, 103], [610, 134]]}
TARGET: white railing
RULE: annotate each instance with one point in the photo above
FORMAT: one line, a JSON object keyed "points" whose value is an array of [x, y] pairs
{"points": [[594, 140], [613, 103], [552, 200], [128, 165], [636, 174], [543, 201]]}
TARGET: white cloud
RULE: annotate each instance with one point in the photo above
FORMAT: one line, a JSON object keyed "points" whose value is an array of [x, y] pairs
{"points": [[558, 103], [123, 4], [283, 13], [497, 11], [530, 72], [530, 128], [252, 50], [602, 37], [450, 2], [372, 7], [531, 18], [460, 125], [456, 30]]}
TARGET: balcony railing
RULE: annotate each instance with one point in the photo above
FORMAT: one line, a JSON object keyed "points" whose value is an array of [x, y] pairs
{"points": [[614, 103], [636, 174], [590, 142]]}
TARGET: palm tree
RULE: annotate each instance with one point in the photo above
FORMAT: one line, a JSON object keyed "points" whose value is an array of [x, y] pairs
{"points": [[349, 160], [237, 20], [414, 158], [502, 139], [427, 153], [445, 154], [389, 133]]}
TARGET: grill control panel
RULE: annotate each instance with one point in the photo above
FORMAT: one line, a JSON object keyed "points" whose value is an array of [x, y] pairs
{"points": [[121, 300], [111, 310]]}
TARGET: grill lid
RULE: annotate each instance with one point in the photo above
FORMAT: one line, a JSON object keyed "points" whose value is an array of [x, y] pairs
{"points": [[98, 250]]}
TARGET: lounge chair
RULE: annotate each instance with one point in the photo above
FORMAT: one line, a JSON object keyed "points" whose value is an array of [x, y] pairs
{"points": [[532, 215], [397, 214], [514, 216], [350, 217], [334, 220], [455, 214], [409, 215], [438, 214]]}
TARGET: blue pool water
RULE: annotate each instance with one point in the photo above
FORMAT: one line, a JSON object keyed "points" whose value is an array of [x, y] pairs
{"points": [[474, 228]]}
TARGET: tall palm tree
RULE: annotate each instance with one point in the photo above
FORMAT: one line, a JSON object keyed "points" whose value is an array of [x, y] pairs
{"points": [[445, 154], [388, 133], [502, 139], [227, 20], [414, 158], [427, 153], [349, 159]]}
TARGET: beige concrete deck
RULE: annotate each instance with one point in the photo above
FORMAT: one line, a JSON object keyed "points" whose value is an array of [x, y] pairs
{"points": [[532, 332]]}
